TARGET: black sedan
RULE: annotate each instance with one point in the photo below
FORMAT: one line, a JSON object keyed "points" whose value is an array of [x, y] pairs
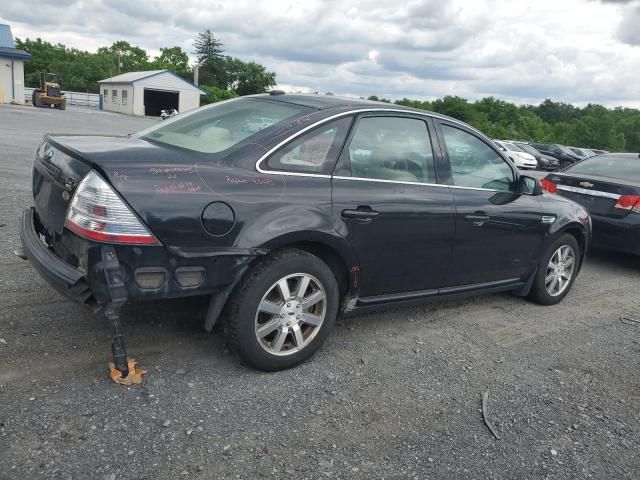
{"points": [[609, 187], [545, 162], [565, 156], [287, 210]]}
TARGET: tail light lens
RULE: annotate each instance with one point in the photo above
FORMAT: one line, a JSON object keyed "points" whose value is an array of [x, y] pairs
{"points": [[629, 202], [549, 186], [97, 213]]}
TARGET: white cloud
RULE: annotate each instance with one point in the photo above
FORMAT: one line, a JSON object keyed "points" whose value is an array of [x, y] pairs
{"points": [[576, 51]]}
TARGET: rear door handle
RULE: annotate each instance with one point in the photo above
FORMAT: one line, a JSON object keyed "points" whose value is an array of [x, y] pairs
{"points": [[477, 218], [360, 213]]}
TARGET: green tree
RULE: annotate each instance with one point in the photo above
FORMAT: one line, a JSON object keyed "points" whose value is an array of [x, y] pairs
{"points": [[215, 94], [210, 58], [125, 57], [248, 78], [173, 59]]}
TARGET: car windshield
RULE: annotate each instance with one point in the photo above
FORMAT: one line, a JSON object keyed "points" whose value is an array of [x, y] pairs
{"points": [[577, 152], [222, 125], [566, 150], [511, 147], [625, 168], [528, 149]]}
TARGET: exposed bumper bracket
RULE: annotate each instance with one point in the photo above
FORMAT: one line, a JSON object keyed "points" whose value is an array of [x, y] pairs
{"points": [[118, 297]]}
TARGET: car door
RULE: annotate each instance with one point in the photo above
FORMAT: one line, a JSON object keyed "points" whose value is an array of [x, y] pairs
{"points": [[390, 208], [499, 231]]}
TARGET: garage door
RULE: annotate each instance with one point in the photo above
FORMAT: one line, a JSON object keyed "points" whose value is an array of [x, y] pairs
{"points": [[156, 100]]}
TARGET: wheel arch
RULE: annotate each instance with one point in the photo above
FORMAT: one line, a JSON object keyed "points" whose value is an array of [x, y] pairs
{"points": [[331, 249], [579, 232]]}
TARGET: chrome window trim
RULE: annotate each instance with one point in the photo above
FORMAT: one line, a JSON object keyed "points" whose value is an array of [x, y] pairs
{"points": [[593, 193], [333, 117]]}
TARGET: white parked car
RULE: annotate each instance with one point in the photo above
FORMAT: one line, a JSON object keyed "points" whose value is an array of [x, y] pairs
{"points": [[520, 158]]}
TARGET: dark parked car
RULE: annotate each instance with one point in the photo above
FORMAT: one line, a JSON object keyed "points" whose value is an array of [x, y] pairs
{"points": [[565, 156], [288, 209], [545, 162], [609, 187]]}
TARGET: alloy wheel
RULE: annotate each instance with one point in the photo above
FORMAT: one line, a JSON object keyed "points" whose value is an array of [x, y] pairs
{"points": [[560, 270], [290, 314]]}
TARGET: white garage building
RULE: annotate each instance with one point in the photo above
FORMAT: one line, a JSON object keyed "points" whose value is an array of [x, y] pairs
{"points": [[11, 68], [146, 93]]}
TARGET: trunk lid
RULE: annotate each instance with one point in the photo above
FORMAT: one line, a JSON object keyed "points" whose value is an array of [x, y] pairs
{"points": [[166, 187], [55, 177], [62, 161], [598, 194]]}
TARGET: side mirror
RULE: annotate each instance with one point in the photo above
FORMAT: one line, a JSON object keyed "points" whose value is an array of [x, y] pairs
{"points": [[529, 185]]}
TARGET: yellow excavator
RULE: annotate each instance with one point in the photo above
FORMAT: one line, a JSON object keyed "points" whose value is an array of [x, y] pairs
{"points": [[49, 93]]}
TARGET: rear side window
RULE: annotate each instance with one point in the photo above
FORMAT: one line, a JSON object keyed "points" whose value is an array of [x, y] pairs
{"points": [[222, 125], [625, 168], [314, 152], [392, 148], [474, 164]]}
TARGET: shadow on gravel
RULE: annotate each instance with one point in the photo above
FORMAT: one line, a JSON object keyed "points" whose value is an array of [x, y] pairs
{"points": [[617, 259]]}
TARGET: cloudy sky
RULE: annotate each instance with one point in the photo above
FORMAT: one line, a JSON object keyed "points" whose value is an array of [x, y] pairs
{"points": [[575, 51]]}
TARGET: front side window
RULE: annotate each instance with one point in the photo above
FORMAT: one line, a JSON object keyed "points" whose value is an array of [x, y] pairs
{"points": [[392, 148], [474, 164], [125, 94], [219, 126], [313, 152]]}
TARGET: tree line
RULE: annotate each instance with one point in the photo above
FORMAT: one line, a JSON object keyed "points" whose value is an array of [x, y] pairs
{"points": [[221, 76], [593, 126]]}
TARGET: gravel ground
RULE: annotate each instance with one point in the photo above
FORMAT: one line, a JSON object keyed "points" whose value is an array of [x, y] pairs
{"points": [[395, 394]]}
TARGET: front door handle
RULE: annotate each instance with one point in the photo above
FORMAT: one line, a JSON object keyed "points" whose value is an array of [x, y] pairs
{"points": [[361, 213], [477, 218]]}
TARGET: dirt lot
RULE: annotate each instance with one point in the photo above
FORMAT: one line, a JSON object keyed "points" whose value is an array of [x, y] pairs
{"points": [[395, 394]]}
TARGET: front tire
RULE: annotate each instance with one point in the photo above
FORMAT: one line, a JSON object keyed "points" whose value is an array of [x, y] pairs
{"points": [[557, 271], [37, 101], [282, 311]]}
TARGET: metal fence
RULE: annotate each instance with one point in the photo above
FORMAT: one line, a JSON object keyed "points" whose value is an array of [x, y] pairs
{"points": [[73, 98]]}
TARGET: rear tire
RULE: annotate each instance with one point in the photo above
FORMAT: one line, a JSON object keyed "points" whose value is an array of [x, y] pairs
{"points": [[561, 260], [36, 99], [62, 106], [269, 300]]}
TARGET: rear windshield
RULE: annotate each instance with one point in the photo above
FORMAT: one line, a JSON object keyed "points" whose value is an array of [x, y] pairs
{"points": [[625, 168], [222, 125]]}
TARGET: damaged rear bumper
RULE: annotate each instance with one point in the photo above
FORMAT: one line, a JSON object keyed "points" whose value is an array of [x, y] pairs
{"points": [[85, 282], [66, 279]]}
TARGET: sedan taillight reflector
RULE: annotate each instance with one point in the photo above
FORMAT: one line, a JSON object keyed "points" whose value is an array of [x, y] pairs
{"points": [[97, 213], [629, 202], [549, 186]]}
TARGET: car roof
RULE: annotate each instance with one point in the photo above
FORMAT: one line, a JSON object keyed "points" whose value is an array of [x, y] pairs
{"points": [[325, 102], [620, 155]]}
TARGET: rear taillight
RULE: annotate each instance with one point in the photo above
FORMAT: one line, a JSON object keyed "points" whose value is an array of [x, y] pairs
{"points": [[97, 213], [549, 186], [629, 202]]}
